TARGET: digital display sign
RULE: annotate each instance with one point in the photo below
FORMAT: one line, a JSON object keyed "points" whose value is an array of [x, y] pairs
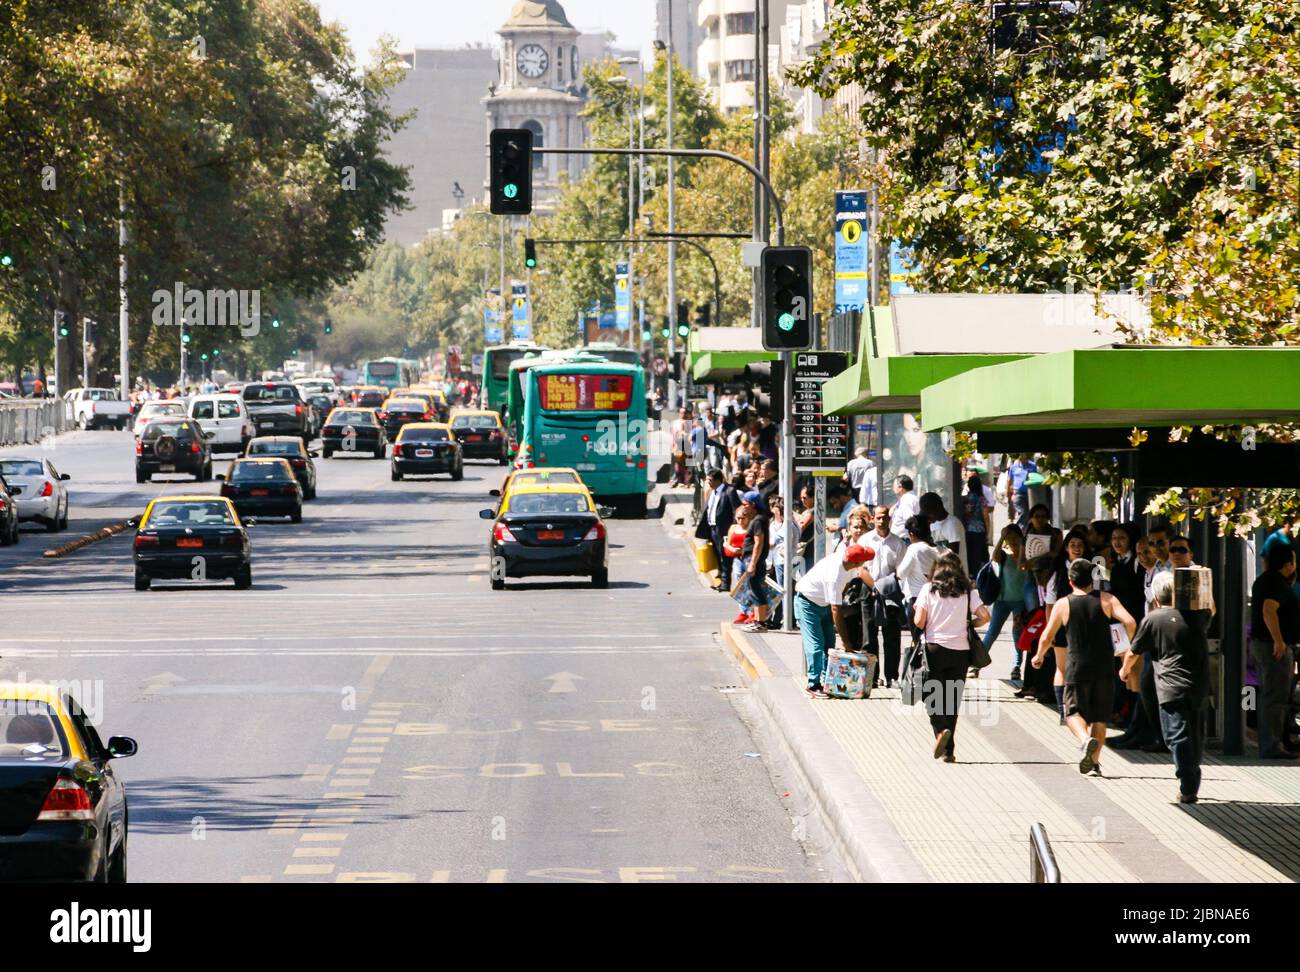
{"points": [[585, 393]]}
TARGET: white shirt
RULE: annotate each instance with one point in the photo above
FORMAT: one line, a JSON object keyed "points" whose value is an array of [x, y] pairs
{"points": [[945, 617], [948, 530], [856, 470], [824, 584], [908, 505], [889, 551], [714, 499], [914, 569], [869, 493]]}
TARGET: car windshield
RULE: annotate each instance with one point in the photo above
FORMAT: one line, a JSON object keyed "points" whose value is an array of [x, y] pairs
{"points": [[30, 730], [263, 472], [277, 448], [548, 503], [352, 418], [156, 430], [406, 407], [474, 422], [174, 513], [21, 467], [270, 393], [371, 398], [424, 435], [163, 408]]}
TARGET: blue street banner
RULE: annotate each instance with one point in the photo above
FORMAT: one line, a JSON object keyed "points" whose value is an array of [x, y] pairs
{"points": [[521, 319], [622, 298], [493, 332], [902, 271], [852, 251]]}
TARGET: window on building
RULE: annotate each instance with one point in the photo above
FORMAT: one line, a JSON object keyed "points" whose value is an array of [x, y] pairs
{"points": [[740, 70], [713, 75], [536, 128], [740, 23], [559, 64]]}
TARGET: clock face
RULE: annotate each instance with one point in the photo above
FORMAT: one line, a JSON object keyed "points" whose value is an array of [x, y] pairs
{"points": [[532, 61]]}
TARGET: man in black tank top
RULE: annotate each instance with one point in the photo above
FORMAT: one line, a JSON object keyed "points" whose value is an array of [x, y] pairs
{"points": [[1090, 660]]}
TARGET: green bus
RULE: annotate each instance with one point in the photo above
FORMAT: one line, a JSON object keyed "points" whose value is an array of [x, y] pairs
{"points": [[390, 373], [614, 352], [590, 414], [496, 373]]}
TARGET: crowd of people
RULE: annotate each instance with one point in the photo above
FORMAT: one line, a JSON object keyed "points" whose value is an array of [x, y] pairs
{"points": [[1095, 631]]}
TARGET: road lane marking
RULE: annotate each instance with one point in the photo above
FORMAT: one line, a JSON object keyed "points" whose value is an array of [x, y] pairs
{"points": [[337, 732], [309, 869], [327, 836], [375, 877], [363, 759], [315, 772], [317, 851]]}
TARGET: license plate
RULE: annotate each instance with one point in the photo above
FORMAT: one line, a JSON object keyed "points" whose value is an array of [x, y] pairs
{"points": [[189, 542], [424, 453], [168, 467], [550, 534], [586, 467], [258, 492]]}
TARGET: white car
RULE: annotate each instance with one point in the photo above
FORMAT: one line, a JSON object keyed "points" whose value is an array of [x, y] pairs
{"points": [[44, 498], [226, 416], [152, 410]]}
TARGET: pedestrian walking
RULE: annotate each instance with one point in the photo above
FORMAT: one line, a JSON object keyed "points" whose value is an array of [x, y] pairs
{"points": [[818, 607], [1274, 635], [906, 506], [1181, 662], [1089, 695], [1017, 592], [1018, 489], [1042, 540], [945, 607], [976, 514]]}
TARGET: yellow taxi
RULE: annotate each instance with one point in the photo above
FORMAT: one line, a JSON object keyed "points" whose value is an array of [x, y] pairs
{"points": [[482, 434], [64, 806], [547, 530], [425, 448], [540, 476], [175, 530], [398, 410], [437, 397]]}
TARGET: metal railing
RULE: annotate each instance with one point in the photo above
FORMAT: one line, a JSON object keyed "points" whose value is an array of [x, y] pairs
{"points": [[24, 422], [1042, 862]]}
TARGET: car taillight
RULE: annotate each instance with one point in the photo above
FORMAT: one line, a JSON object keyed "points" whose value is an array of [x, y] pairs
{"points": [[501, 533], [297, 410], [428, 416], [47, 489], [383, 416], [597, 532], [194, 446], [232, 540], [139, 447], [67, 800], [145, 540], [299, 463]]}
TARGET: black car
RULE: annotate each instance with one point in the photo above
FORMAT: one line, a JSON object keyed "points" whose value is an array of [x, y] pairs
{"points": [[295, 451], [481, 435], [191, 538], [548, 531], [173, 445], [355, 431], [426, 448], [265, 486], [396, 414], [63, 812], [8, 513]]}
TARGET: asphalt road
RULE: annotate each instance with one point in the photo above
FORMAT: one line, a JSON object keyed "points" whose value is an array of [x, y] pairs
{"points": [[372, 711]]}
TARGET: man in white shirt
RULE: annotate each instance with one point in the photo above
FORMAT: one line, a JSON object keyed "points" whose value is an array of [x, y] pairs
{"points": [[906, 506], [818, 598], [856, 470], [884, 626]]}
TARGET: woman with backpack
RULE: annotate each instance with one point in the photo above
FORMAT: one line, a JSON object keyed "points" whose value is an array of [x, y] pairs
{"points": [[945, 607]]}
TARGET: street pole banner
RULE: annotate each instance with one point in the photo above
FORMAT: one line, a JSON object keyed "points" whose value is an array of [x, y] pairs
{"points": [[622, 298], [493, 333], [821, 442], [521, 323], [852, 250], [901, 271]]}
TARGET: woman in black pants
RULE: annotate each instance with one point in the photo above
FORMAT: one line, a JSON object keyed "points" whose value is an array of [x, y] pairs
{"points": [[942, 609]]}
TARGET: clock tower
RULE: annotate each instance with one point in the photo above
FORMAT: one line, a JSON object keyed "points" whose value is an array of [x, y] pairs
{"points": [[540, 88]]}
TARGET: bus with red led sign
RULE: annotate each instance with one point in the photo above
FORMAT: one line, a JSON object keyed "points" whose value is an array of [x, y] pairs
{"points": [[589, 414]]}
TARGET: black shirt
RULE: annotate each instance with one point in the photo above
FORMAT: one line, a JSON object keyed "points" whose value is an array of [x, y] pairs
{"points": [[1091, 654], [1272, 586], [757, 531], [1180, 653]]}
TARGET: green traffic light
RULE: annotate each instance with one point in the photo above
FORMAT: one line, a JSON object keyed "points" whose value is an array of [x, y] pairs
{"points": [[63, 332], [664, 332], [204, 356], [216, 352], [645, 335], [683, 330], [275, 322], [185, 338], [530, 264], [6, 261], [786, 321], [510, 190]]}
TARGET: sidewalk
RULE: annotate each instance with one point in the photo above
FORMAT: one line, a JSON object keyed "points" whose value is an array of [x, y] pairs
{"points": [[898, 814]]}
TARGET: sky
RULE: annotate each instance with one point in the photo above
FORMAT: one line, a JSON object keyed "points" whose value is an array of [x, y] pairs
{"points": [[454, 23]]}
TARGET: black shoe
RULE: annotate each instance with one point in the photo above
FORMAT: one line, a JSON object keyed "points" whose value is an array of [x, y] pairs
{"points": [[1096, 769], [949, 758], [1088, 750], [1187, 798], [942, 743]]}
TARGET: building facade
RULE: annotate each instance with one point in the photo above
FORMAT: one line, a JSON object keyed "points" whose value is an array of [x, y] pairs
{"points": [[685, 27], [725, 56]]}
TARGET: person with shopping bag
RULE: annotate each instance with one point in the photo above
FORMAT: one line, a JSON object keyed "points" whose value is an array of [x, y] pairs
{"points": [[818, 604], [947, 608]]}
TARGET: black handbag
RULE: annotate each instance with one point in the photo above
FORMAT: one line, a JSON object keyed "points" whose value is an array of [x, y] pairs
{"points": [[979, 655], [912, 674]]}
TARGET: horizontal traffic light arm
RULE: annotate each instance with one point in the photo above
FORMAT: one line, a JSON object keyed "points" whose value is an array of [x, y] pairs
{"points": [[717, 281], [690, 154]]}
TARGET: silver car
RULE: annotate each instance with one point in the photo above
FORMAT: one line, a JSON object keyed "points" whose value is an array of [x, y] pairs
{"points": [[43, 497]]}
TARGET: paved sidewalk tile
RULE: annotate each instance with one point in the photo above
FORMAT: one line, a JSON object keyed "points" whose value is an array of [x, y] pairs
{"points": [[969, 821]]}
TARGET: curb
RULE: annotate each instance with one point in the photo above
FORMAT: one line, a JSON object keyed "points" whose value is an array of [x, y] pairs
{"points": [[85, 541], [749, 660]]}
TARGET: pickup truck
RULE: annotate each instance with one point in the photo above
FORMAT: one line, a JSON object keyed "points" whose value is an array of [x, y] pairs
{"points": [[94, 408], [277, 408]]}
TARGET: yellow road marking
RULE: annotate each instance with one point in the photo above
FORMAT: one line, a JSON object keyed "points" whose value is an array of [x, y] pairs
{"points": [[375, 877], [363, 749], [256, 879], [362, 759], [327, 836], [317, 851], [338, 731], [309, 869], [354, 771], [315, 772]]}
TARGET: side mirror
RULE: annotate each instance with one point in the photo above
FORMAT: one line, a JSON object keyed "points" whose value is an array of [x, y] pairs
{"points": [[313, 453], [120, 747], [15, 490], [487, 514], [494, 492], [221, 477], [64, 477], [133, 521], [251, 521], [209, 435], [606, 512]]}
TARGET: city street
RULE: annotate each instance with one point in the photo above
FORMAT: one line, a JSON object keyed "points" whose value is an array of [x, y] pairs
{"points": [[371, 710]]}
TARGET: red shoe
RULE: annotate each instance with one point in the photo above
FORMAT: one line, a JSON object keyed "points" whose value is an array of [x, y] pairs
{"points": [[742, 618]]}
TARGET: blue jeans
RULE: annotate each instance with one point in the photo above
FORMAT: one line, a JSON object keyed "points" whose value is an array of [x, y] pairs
{"points": [[818, 630], [1185, 736], [999, 611]]}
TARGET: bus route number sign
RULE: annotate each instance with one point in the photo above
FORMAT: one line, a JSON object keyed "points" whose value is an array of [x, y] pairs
{"points": [[585, 393]]}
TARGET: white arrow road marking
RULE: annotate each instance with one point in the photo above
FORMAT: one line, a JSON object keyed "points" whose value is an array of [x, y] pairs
{"points": [[563, 682]]}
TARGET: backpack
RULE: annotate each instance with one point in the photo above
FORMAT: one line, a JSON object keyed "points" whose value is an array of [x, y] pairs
{"points": [[987, 583]]}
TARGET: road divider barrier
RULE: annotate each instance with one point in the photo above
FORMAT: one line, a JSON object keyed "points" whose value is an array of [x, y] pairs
{"points": [[86, 540]]}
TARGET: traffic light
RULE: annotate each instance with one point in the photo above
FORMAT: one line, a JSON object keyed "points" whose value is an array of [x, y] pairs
{"points": [[510, 171], [6, 260], [61, 323], [787, 298], [530, 254], [185, 334], [204, 356], [703, 315], [88, 331], [664, 332], [646, 335], [216, 352], [329, 326], [275, 322]]}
